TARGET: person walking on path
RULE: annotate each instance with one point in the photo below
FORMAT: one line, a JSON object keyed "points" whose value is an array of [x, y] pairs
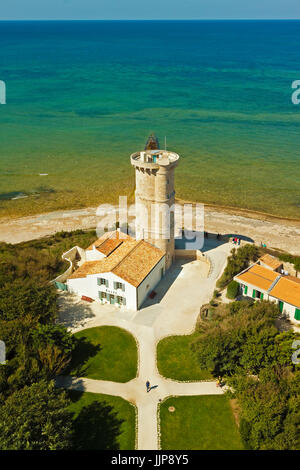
{"points": [[148, 386]]}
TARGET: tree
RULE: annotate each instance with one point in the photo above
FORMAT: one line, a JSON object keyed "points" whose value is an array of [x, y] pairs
{"points": [[36, 418], [54, 335], [241, 334], [297, 264], [239, 260], [53, 345], [270, 409], [22, 299]]}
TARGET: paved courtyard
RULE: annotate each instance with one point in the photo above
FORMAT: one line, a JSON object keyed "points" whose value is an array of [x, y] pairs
{"points": [[173, 311]]}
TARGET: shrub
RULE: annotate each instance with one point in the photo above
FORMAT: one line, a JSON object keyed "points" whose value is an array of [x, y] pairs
{"points": [[216, 294], [295, 260], [232, 290], [36, 418], [240, 334], [269, 409], [238, 261]]}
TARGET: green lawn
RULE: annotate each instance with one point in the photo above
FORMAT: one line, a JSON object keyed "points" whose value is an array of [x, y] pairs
{"points": [[199, 423], [175, 359], [97, 427], [105, 353]]}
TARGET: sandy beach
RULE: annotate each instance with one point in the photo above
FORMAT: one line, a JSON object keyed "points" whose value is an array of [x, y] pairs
{"points": [[277, 233]]}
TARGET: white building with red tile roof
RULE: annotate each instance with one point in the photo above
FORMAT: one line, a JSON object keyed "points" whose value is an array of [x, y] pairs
{"points": [[118, 269]]}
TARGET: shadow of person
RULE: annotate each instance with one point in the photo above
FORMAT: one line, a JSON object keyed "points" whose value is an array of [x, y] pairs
{"points": [[97, 427], [153, 387]]}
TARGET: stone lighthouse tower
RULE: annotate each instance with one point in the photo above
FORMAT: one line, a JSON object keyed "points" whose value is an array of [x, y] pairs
{"points": [[155, 197]]}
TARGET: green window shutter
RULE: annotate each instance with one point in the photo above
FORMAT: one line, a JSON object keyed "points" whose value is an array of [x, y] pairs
{"points": [[123, 287], [115, 285], [297, 314], [246, 290], [124, 302], [107, 297], [106, 282], [261, 296], [61, 285], [253, 294], [281, 306], [98, 281]]}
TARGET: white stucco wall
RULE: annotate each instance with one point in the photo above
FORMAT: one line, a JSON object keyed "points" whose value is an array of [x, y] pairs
{"points": [[251, 289], [93, 255], [264, 265], [89, 287], [288, 309], [70, 257], [150, 282]]}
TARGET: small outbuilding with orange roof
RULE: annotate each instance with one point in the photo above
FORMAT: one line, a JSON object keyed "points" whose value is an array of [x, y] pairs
{"points": [[264, 283]]}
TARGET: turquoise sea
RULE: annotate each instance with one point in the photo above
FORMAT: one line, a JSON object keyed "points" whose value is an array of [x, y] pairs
{"points": [[82, 96]]}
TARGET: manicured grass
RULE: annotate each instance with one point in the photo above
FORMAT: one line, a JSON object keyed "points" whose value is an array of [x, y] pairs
{"points": [[176, 360], [105, 353], [199, 423], [120, 436]]}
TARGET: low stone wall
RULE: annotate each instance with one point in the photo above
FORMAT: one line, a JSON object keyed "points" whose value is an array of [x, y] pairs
{"points": [[289, 267], [190, 254], [194, 255], [69, 256]]}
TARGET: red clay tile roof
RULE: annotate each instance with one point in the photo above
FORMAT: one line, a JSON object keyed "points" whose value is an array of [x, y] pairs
{"points": [[287, 290], [258, 276], [270, 261], [131, 260], [109, 242], [293, 278]]}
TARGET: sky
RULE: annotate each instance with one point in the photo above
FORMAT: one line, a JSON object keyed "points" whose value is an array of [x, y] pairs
{"points": [[149, 9]]}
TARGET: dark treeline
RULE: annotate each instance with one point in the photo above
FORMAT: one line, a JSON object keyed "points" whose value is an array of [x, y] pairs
{"points": [[33, 414], [241, 343]]}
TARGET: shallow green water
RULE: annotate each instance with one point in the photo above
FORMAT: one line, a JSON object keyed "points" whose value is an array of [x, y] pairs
{"points": [[81, 97]]}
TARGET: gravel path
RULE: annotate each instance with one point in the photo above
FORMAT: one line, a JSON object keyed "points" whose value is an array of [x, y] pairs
{"points": [[180, 295]]}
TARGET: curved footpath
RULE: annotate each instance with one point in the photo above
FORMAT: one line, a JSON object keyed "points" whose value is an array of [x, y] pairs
{"points": [[185, 288]]}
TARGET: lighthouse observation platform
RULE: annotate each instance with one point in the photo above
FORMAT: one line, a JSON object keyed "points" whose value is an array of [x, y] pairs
{"points": [[154, 159]]}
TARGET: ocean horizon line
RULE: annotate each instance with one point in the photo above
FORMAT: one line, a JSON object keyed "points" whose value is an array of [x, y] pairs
{"points": [[11, 20]]}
